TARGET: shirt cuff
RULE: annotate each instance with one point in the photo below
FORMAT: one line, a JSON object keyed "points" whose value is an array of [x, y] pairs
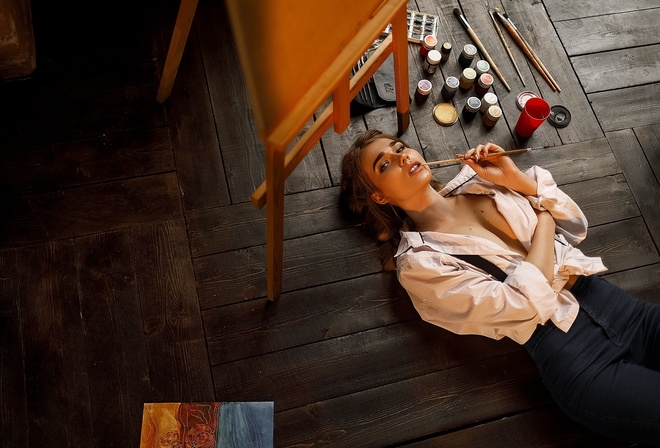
{"points": [[532, 284]]}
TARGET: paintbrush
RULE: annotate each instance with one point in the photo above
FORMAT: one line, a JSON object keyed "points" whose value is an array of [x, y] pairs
{"points": [[506, 46], [527, 50], [480, 46], [459, 158], [543, 67]]}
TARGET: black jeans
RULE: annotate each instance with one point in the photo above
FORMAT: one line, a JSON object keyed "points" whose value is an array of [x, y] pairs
{"points": [[605, 371]]}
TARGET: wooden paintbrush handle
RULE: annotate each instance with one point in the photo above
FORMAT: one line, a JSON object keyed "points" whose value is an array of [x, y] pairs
{"points": [[518, 39]]}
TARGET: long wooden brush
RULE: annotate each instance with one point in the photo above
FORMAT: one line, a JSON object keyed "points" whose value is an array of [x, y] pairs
{"points": [[506, 46], [489, 156]]}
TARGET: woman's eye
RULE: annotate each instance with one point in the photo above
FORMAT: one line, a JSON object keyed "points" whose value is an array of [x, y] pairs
{"points": [[400, 148], [384, 165]]}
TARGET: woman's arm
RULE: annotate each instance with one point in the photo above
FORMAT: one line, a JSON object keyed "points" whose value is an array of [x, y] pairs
{"points": [[542, 251], [464, 300], [536, 184]]}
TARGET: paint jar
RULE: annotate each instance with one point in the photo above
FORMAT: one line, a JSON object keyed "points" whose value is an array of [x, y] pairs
{"points": [[472, 106], [449, 89], [489, 99], [467, 55], [444, 51], [423, 90], [482, 67], [491, 116], [483, 84], [432, 61], [467, 78], [428, 44]]}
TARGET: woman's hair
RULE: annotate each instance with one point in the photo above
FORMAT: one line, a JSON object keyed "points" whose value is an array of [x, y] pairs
{"points": [[356, 201]]}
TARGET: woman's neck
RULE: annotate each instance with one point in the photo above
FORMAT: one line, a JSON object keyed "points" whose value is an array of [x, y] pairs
{"points": [[429, 210]]}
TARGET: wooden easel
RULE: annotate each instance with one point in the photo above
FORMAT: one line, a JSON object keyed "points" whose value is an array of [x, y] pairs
{"points": [[294, 55]]}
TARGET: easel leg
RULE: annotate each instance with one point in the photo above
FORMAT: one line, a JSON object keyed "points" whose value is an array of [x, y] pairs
{"points": [[274, 218], [182, 26], [400, 50]]}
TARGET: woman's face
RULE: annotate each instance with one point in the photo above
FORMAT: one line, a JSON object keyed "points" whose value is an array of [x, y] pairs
{"points": [[396, 171]]}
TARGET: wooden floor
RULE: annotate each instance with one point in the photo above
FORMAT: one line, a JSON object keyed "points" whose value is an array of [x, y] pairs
{"points": [[132, 263]]}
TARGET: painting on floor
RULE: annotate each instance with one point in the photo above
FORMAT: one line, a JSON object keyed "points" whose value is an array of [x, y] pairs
{"points": [[207, 425]]}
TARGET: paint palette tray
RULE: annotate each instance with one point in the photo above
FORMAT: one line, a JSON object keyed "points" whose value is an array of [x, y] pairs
{"points": [[421, 24]]}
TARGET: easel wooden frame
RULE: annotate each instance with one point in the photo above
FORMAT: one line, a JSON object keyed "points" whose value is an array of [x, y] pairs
{"points": [[335, 80]]}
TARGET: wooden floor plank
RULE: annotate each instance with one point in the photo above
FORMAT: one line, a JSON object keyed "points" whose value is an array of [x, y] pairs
{"points": [[178, 359], [622, 245], [335, 145], [641, 178], [649, 139], [53, 334], [302, 317], [99, 159], [544, 427], [89, 209], [610, 32], [417, 407], [236, 276], [567, 9], [350, 364], [13, 400], [618, 69], [40, 116], [642, 282], [203, 185], [240, 226], [117, 362], [603, 200], [627, 108]]}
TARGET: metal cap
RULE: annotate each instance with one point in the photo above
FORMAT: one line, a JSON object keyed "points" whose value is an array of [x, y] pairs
{"points": [[559, 117]]}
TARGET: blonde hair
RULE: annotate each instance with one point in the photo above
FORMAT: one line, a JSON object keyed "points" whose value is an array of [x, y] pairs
{"points": [[356, 189]]}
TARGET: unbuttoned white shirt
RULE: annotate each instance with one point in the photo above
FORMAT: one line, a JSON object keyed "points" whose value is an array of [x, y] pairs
{"points": [[455, 295]]}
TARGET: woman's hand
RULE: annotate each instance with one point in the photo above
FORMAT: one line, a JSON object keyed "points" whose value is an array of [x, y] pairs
{"points": [[500, 170]]}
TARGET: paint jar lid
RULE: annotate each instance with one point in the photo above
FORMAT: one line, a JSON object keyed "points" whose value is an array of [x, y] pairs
{"points": [[494, 112], [469, 74], [523, 97], [485, 80], [452, 83], [430, 41], [433, 57], [469, 50], [424, 86], [559, 117], [473, 104], [482, 66], [445, 114], [446, 48]]}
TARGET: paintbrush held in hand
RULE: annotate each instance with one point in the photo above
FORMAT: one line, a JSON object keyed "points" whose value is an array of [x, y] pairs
{"points": [[460, 157]]}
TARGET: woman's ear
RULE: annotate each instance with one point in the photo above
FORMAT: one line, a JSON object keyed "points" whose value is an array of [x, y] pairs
{"points": [[378, 198]]}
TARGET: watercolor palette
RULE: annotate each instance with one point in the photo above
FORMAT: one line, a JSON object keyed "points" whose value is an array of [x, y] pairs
{"points": [[421, 24]]}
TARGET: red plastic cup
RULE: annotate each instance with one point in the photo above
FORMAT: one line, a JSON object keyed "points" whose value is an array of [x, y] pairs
{"points": [[535, 112]]}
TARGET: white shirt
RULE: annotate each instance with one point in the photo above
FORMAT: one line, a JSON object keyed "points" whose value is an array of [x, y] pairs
{"points": [[461, 298]]}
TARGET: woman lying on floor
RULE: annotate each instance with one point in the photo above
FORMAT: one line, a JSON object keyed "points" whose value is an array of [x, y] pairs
{"points": [[492, 253]]}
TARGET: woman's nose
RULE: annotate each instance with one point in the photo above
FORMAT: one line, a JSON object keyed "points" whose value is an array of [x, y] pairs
{"points": [[403, 159]]}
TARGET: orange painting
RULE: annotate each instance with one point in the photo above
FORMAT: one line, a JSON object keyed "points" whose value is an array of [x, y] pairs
{"points": [[207, 425]]}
